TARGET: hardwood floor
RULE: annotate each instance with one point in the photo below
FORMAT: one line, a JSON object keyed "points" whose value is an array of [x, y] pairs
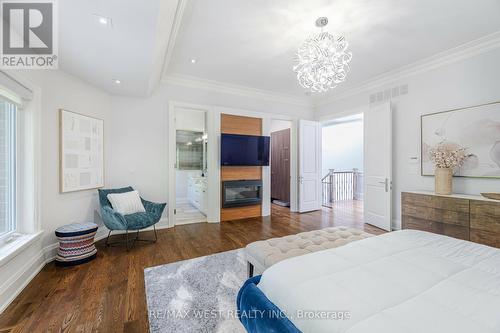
{"points": [[107, 294]]}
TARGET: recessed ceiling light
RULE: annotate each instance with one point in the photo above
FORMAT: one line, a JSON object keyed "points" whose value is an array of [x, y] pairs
{"points": [[103, 20], [193, 60], [117, 81]]}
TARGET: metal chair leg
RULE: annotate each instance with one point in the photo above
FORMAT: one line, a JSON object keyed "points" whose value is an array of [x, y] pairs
{"points": [[126, 240], [147, 240], [107, 239], [129, 243]]}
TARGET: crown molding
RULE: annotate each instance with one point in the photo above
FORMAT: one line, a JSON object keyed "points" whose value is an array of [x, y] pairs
{"points": [[217, 86], [464, 51], [233, 89], [179, 14]]}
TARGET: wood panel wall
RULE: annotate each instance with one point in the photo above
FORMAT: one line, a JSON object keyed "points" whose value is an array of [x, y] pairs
{"points": [[231, 124]]}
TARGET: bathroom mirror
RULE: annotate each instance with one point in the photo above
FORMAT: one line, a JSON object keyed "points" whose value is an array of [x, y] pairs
{"points": [[190, 150]]}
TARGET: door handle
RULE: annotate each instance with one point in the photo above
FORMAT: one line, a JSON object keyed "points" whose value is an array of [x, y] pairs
{"points": [[386, 184], [301, 179]]}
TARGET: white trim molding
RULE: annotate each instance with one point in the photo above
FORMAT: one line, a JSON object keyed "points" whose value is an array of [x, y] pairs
{"points": [[179, 13], [461, 52], [18, 270], [50, 251], [464, 51], [234, 89]]}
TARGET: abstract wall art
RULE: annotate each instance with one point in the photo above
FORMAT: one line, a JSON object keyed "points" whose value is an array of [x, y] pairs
{"points": [[475, 128], [81, 144]]}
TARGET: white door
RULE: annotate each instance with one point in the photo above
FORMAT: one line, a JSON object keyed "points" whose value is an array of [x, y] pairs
{"points": [[378, 166], [309, 166]]}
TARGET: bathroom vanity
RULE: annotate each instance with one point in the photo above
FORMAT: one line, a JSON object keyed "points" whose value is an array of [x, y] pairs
{"points": [[197, 193]]}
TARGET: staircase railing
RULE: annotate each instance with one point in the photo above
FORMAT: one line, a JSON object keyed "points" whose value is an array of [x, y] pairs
{"points": [[342, 185]]}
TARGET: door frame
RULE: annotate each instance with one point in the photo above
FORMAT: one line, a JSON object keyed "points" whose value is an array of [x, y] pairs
{"points": [[213, 177], [333, 118]]}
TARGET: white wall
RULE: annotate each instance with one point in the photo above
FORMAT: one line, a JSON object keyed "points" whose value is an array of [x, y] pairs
{"points": [[342, 146], [190, 120], [279, 125], [466, 82], [62, 91], [54, 90], [142, 155]]}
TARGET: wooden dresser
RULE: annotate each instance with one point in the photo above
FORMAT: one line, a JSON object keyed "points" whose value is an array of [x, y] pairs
{"points": [[466, 217]]}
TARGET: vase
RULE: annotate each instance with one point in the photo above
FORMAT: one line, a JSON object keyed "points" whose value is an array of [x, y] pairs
{"points": [[443, 181]]}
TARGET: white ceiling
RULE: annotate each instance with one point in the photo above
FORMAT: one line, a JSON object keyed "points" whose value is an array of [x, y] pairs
{"points": [[252, 43], [132, 50]]}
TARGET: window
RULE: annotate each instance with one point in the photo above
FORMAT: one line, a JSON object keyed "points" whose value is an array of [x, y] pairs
{"points": [[8, 113]]}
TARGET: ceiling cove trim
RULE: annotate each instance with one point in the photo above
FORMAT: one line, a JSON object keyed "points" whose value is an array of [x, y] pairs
{"points": [[179, 14], [233, 89], [464, 51]]}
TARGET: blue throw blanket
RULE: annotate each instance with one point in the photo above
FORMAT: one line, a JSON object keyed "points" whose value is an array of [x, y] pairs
{"points": [[258, 314]]}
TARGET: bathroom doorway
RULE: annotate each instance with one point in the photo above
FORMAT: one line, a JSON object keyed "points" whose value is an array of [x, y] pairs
{"points": [[191, 141]]}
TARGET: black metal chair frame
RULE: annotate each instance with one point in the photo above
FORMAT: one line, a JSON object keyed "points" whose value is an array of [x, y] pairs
{"points": [[127, 241]]}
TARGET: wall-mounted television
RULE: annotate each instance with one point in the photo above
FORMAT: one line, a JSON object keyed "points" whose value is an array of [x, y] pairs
{"points": [[244, 150]]}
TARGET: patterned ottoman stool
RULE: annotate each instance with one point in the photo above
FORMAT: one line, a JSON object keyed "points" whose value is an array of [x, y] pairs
{"points": [[76, 244], [263, 254]]}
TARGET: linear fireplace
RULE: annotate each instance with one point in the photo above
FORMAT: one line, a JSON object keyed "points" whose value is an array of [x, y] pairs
{"points": [[237, 193]]}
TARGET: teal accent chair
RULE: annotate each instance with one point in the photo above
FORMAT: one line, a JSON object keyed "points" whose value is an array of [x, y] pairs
{"points": [[133, 222]]}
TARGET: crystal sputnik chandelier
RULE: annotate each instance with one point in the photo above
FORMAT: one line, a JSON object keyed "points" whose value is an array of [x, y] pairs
{"points": [[322, 61]]}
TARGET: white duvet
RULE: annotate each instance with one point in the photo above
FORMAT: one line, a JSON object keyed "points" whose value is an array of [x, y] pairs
{"points": [[404, 281]]}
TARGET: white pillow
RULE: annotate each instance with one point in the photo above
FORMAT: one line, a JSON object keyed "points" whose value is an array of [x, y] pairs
{"points": [[126, 203]]}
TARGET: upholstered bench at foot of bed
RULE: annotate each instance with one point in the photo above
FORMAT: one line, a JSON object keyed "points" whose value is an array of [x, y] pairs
{"points": [[263, 254]]}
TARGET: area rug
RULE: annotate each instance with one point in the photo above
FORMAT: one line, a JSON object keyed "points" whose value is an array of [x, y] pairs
{"points": [[197, 295]]}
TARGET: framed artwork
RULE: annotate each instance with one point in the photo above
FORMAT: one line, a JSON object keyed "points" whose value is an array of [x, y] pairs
{"points": [[81, 150], [475, 128]]}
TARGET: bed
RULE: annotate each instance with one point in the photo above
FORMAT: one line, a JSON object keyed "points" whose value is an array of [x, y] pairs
{"points": [[403, 281]]}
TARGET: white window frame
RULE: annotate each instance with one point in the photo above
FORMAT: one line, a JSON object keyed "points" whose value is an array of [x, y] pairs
{"points": [[22, 92], [13, 172]]}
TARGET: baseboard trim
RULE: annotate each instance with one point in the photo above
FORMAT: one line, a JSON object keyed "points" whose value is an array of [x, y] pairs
{"points": [[17, 282], [396, 225], [50, 251]]}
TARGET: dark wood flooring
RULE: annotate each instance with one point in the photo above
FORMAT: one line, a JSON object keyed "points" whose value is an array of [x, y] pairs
{"points": [[107, 294]]}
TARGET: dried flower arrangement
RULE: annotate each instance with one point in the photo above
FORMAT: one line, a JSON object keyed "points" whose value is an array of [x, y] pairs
{"points": [[448, 155]]}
